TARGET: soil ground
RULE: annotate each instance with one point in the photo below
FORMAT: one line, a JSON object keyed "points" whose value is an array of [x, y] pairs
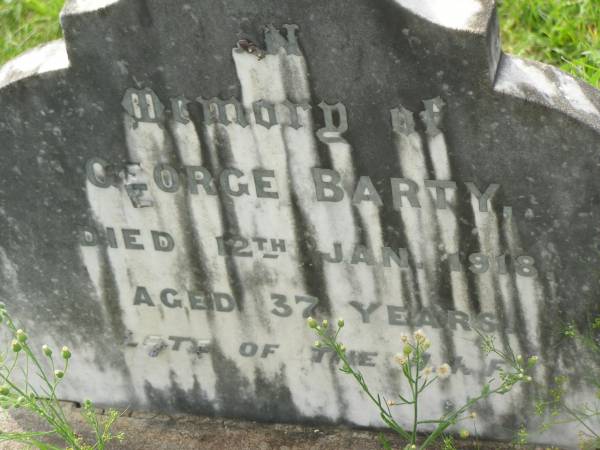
{"points": [[147, 431]]}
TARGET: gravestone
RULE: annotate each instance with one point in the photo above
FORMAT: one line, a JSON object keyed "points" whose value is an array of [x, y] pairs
{"points": [[183, 183]]}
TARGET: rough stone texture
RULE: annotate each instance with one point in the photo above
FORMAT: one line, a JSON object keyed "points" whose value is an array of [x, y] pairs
{"points": [[179, 327]]}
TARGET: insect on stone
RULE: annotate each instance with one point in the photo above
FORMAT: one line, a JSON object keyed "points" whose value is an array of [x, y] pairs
{"points": [[250, 47]]}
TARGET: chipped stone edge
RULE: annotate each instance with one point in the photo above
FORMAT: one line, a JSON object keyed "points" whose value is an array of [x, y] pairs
{"points": [[74, 7], [476, 23], [549, 86], [50, 57], [531, 81], [44, 59]]}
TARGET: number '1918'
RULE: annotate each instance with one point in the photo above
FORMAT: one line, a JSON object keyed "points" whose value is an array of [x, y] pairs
{"points": [[480, 263]]}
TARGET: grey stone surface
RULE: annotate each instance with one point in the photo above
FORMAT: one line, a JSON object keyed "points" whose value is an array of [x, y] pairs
{"points": [[367, 128]]}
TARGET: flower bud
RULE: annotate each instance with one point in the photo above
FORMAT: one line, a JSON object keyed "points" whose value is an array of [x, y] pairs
{"points": [[318, 344], [21, 336], [404, 338], [391, 403], [312, 323], [426, 344], [340, 323], [325, 324], [443, 371], [342, 348], [400, 359], [528, 379], [473, 415], [519, 359], [407, 350], [4, 389], [16, 346], [419, 336], [20, 401], [464, 434], [59, 374], [47, 350], [65, 352], [532, 361]]}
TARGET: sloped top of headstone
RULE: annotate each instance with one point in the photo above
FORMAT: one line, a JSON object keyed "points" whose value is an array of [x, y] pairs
{"points": [[468, 15], [516, 77], [43, 59]]}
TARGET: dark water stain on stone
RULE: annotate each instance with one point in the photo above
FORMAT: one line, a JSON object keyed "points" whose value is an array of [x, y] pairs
{"points": [[177, 399]]}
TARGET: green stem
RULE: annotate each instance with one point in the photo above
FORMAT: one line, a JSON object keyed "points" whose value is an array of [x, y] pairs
{"points": [[580, 420], [415, 387], [50, 409], [385, 415], [32, 405], [449, 420]]}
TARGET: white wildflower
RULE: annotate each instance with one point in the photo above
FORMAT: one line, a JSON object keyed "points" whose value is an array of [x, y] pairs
{"points": [[443, 371], [400, 359], [420, 336]]}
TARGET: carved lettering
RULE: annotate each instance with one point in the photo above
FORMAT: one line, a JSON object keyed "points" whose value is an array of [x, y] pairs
{"points": [[333, 130]]}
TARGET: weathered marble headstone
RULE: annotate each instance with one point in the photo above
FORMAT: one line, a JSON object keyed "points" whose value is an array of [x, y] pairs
{"points": [[183, 182]]}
